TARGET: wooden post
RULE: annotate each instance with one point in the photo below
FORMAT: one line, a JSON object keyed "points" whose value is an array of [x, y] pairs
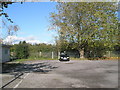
{"points": [[40, 54], [109, 54], [52, 55], [58, 55]]}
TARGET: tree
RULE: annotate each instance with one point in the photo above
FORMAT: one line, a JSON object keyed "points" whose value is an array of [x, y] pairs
{"points": [[61, 44], [22, 50], [82, 23], [4, 4], [11, 29]]}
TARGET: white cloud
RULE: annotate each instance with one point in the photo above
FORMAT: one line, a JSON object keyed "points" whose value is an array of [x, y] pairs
{"points": [[15, 40], [33, 41]]}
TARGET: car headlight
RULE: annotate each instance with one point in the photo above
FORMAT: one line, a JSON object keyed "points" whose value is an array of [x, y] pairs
{"points": [[67, 57]]}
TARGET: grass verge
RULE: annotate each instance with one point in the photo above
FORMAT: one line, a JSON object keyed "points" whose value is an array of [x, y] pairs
{"points": [[32, 59]]}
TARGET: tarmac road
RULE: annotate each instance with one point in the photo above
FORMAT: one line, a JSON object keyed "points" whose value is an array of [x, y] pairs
{"points": [[71, 74]]}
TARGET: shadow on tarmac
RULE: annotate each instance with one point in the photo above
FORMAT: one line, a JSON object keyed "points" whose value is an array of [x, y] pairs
{"points": [[15, 68]]}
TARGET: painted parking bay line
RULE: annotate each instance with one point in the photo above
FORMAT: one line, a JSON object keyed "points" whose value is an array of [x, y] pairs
{"points": [[21, 80]]}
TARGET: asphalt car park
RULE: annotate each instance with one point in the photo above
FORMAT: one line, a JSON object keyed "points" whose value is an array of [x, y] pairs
{"points": [[70, 74]]}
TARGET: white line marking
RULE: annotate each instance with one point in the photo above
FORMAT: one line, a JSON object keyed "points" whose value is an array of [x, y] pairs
{"points": [[26, 75], [18, 84], [21, 80]]}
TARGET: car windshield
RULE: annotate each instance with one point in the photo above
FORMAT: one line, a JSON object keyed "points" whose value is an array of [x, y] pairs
{"points": [[63, 55]]}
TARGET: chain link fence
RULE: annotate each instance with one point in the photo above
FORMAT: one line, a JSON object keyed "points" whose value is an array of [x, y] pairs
{"points": [[55, 55], [52, 55], [112, 54]]}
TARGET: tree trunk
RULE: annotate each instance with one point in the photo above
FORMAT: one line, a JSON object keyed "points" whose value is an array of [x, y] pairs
{"points": [[81, 52]]}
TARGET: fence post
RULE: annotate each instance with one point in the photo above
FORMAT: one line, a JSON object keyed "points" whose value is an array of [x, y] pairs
{"points": [[52, 55], [109, 54], [40, 54], [58, 55]]}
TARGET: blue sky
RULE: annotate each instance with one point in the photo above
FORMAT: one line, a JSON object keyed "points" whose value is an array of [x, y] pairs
{"points": [[33, 20]]}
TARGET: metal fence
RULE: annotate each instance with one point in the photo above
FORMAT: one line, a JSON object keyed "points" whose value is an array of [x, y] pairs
{"points": [[112, 54], [54, 54], [51, 55]]}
